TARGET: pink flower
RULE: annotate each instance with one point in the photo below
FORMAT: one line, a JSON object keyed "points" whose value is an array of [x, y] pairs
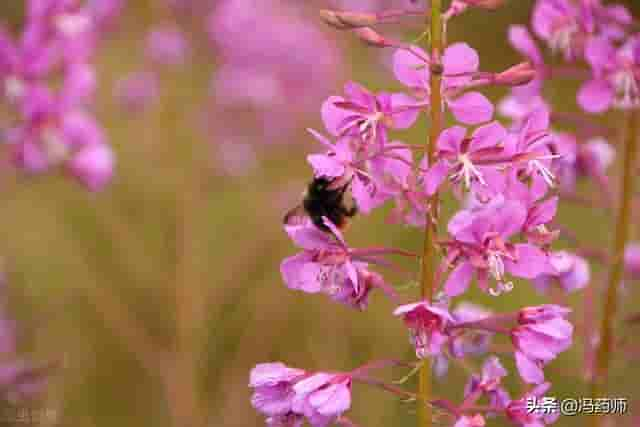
{"points": [[543, 332], [93, 166], [539, 211], [518, 411], [322, 397], [358, 298], [471, 342], [616, 76], [400, 180], [279, 74], [519, 104], [324, 263], [529, 147], [273, 387], [563, 25], [366, 115], [489, 383], [594, 158], [329, 266], [570, 271], [460, 63], [474, 162], [481, 247], [491, 377], [287, 395], [428, 327]]}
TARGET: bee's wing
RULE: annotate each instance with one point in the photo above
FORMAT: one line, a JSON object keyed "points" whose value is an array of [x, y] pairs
{"points": [[296, 216]]}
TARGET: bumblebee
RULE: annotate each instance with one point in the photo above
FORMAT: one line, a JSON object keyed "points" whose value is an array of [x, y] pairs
{"points": [[323, 198]]}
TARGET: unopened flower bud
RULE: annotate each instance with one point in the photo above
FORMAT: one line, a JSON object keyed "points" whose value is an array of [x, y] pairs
{"points": [[632, 259], [371, 37], [330, 17], [517, 75], [485, 4], [541, 313], [347, 20]]}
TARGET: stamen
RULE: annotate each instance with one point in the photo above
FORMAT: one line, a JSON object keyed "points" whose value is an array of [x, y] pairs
{"points": [[561, 39], [496, 265], [468, 172], [546, 174]]}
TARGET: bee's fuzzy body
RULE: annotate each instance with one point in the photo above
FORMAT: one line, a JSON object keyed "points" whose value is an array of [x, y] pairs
{"points": [[321, 200]]}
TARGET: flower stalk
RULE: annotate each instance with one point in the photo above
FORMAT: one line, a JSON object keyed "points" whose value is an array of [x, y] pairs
{"points": [[429, 256], [604, 350]]}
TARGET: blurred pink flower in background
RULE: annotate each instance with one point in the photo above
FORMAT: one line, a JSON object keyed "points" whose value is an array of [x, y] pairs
{"points": [[137, 91], [273, 63], [167, 46]]}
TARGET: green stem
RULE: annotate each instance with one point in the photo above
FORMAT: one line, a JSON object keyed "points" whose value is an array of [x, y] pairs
{"points": [[598, 386], [429, 255]]}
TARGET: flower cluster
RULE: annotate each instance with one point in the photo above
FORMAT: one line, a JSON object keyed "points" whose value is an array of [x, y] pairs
{"points": [[53, 126], [254, 41], [287, 396], [508, 180]]}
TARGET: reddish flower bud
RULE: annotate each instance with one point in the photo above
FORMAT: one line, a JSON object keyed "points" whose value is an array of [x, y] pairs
{"points": [[371, 37], [347, 20], [485, 4], [519, 74]]}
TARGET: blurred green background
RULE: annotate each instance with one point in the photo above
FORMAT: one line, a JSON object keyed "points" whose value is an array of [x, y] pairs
{"points": [[175, 254]]}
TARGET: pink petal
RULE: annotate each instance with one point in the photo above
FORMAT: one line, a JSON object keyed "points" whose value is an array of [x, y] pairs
{"points": [[435, 176], [489, 135], [522, 41], [471, 108], [358, 94], [405, 110], [325, 166], [579, 276], [595, 96], [508, 218], [450, 139], [528, 370], [331, 401], [459, 58], [312, 383], [410, 69], [544, 212], [298, 272], [307, 236], [407, 308], [599, 53], [265, 374], [532, 262], [459, 279], [332, 116], [367, 195]]}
